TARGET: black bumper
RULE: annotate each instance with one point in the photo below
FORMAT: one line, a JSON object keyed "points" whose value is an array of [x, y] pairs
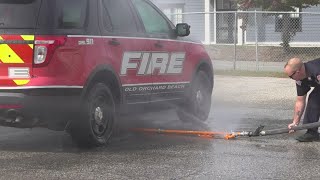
{"points": [[44, 106]]}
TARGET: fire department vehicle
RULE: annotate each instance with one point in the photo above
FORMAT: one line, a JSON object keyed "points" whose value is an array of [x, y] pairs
{"points": [[77, 65]]}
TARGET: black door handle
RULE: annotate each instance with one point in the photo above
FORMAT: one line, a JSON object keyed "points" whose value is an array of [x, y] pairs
{"points": [[158, 44], [114, 42]]}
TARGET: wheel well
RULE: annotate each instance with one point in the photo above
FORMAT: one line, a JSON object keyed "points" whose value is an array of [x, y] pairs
{"points": [[206, 68], [108, 78]]}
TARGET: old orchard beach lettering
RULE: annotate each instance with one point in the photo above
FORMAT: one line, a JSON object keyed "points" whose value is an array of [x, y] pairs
{"points": [[155, 87], [146, 63]]}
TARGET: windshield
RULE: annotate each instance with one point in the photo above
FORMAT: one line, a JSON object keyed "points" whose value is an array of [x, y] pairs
{"points": [[19, 13]]}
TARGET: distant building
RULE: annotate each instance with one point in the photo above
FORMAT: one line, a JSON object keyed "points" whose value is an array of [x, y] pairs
{"points": [[219, 27]]}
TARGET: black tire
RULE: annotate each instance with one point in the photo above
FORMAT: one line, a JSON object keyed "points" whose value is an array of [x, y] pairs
{"points": [[197, 103], [95, 124]]}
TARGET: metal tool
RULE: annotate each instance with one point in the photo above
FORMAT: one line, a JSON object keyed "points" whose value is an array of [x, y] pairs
{"points": [[206, 134]]}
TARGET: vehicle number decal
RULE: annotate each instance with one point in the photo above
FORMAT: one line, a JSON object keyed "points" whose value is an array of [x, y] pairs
{"points": [[88, 41]]}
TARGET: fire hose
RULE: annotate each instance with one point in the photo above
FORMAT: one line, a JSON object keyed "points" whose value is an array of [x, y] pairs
{"points": [[210, 134], [259, 131]]}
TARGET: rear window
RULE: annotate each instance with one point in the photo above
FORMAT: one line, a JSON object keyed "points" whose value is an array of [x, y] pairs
{"points": [[47, 14], [19, 13]]}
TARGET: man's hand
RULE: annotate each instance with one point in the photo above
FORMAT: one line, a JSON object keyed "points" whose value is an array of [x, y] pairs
{"points": [[292, 125]]}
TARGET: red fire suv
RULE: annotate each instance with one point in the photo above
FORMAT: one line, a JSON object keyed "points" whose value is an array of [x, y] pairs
{"points": [[76, 65]]}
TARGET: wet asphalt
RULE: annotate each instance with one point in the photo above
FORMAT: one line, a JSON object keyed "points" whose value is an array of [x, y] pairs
{"points": [[239, 103]]}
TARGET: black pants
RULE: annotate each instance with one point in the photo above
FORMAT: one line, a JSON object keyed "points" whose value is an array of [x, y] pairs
{"points": [[312, 112]]}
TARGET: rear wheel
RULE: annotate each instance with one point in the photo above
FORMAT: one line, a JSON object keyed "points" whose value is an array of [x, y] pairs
{"points": [[197, 104], [95, 123]]}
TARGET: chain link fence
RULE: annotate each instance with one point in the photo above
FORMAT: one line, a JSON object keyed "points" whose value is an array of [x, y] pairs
{"points": [[256, 40]]}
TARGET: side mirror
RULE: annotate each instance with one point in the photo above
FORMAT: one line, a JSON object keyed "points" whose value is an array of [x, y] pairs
{"points": [[183, 29]]}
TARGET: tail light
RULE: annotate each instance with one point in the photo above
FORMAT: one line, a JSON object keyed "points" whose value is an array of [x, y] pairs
{"points": [[44, 49]]}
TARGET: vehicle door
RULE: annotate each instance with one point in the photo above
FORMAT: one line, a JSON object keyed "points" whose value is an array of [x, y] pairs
{"points": [[127, 49], [168, 53]]}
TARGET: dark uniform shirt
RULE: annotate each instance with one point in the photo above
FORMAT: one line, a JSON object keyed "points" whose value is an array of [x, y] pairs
{"points": [[313, 79]]}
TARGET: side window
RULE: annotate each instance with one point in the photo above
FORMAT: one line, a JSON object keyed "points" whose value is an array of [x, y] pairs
{"points": [[121, 16], [151, 18], [62, 14], [72, 14]]}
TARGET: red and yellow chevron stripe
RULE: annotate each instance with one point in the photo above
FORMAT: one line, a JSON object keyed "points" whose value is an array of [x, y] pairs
{"points": [[16, 53]]}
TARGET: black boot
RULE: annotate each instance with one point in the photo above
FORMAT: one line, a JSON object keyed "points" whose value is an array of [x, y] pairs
{"points": [[309, 136]]}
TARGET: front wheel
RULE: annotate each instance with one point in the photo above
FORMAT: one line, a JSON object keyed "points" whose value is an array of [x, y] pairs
{"points": [[95, 123], [197, 103]]}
